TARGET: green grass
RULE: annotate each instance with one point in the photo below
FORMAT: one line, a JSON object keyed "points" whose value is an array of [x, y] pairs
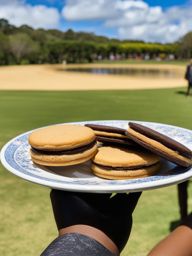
{"points": [[27, 224]]}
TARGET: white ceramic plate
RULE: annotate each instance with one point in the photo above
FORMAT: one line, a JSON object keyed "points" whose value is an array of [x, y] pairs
{"points": [[15, 157]]}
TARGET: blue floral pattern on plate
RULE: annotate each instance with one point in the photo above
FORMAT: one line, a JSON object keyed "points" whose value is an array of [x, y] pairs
{"points": [[15, 156]]}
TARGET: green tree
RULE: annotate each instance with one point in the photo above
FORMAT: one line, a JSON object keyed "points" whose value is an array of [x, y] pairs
{"points": [[3, 49], [69, 35], [23, 48], [5, 27], [27, 45], [185, 46]]}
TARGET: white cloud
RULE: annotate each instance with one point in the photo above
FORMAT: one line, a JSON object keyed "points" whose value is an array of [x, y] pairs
{"points": [[123, 5], [87, 9], [19, 13], [134, 19]]}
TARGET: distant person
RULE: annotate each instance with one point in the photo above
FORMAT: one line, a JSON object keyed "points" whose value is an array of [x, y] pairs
{"points": [[188, 76], [182, 199]]}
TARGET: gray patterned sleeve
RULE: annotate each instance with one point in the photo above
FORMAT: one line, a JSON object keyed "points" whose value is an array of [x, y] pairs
{"points": [[75, 244]]}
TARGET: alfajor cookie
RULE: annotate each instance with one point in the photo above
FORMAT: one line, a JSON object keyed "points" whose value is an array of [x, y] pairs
{"points": [[160, 144], [120, 163], [62, 145], [110, 135]]}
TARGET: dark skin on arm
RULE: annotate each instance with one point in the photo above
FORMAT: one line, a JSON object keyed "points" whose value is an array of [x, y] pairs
{"points": [[178, 243]]}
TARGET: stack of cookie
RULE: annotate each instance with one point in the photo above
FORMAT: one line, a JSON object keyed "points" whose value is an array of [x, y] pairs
{"points": [[116, 153], [119, 157], [135, 152], [62, 145]]}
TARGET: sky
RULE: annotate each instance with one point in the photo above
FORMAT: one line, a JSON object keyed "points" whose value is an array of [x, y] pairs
{"points": [[149, 20]]}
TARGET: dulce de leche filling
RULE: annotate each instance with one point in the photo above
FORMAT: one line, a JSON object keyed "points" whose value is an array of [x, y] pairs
{"points": [[124, 168], [65, 152]]}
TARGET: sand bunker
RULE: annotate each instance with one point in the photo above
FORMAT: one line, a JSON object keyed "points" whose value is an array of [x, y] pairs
{"points": [[52, 77]]}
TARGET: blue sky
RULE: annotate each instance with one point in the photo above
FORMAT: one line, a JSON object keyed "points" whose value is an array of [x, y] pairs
{"points": [[50, 3], [149, 20], [166, 3]]}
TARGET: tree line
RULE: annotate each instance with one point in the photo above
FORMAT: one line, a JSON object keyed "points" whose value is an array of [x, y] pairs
{"points": [[25, 45]]}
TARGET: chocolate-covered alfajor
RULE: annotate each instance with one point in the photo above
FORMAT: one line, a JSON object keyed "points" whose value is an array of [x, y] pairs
{"points": [[62, 145], [110, 135], [124, 163], [160, 144]]}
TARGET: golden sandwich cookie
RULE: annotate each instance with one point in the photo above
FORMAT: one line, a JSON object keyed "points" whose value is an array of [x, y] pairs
{"points": [[62, 145], [121, 163]]}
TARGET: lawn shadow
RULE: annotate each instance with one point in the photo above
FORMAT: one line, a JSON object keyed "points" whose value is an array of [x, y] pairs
{"points": [[181, 92]]}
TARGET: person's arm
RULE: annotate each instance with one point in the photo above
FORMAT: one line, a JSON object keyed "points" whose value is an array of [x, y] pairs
{"points": [[178, 243], [105, 219]]}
